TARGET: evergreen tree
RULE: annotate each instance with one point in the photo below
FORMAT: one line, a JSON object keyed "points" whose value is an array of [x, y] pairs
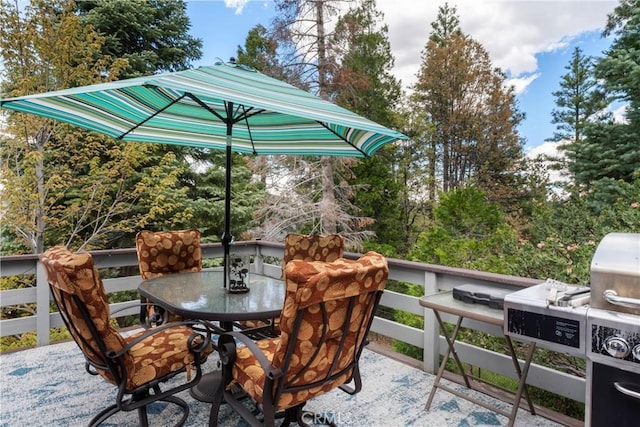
{"points": [[610, 149], [579, 100], [468, 231], [151, 34], [364, 84], [474, 115], [260, 51]]}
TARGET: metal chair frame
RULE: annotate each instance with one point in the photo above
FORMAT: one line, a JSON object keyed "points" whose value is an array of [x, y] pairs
{"points": [[276, 384], [113, 362]]}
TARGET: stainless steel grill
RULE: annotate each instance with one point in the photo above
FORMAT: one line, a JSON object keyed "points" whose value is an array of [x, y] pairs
{"points": [[613, 333], [615, 274], [606, 330]]}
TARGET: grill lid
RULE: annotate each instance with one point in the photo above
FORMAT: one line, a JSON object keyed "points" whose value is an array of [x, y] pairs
{"points": [[615, 273]]}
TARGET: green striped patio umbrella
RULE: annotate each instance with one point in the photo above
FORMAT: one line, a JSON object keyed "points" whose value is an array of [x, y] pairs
{"points": [[224, 106]]}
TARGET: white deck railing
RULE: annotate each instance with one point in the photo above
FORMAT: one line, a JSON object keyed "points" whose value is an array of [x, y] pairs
{"points": [[266, 256]]}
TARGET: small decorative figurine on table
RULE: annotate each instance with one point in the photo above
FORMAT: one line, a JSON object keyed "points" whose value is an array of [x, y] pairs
{"points": [[239, 274]]}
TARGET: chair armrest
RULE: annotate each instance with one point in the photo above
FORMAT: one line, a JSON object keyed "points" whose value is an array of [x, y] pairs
{"points": [[193, 346], [228, 359], [137, 304], [145, 324]]}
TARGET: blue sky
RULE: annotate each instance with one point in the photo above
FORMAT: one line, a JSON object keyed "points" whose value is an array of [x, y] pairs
{"points": [[532, 41]]}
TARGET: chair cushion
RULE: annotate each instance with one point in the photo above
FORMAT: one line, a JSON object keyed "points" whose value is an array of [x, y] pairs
{"points": [[308, 248], [162, 252], [164, 352], [317, 343], [159, 354], [71, 273], [312, 247]]}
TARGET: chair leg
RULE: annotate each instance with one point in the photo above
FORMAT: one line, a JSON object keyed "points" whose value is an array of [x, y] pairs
{"points": [[215, 408], [143, 420], [103, 415], [142, 413], [357, 382]]}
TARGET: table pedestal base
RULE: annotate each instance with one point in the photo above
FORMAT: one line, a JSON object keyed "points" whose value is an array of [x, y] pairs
{"points": [[209, 384], [207, 387]]}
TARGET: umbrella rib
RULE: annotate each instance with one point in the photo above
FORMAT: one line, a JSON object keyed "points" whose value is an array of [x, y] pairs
{"points": [[246, 120], [150, 117], [342, 138], [205, 106], [245, 116]]}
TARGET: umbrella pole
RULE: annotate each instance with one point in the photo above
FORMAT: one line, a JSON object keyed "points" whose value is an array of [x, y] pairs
{"points": [[227, 238]]}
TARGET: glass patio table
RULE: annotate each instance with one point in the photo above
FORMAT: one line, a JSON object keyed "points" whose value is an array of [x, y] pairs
{"points": [[202, 296]]}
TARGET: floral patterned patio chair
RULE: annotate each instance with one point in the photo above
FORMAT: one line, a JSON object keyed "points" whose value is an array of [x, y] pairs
{"points": [[137, 364], [166, 252], [308, 248], [327, 314]]}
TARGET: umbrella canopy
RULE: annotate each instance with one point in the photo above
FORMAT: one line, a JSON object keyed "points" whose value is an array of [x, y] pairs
{"points": [[223, 106]]}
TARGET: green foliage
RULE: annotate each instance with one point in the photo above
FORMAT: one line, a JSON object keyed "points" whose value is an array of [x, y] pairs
{"points": [[558, 241], [260, 51], [467, 232], [207, 195], [563, 233], [387, 250], [151, 34], [621, 63], [378, 198], [29, 339], [610, 149], [364, 84], [410, 320], [578, 100], [473, 112]]}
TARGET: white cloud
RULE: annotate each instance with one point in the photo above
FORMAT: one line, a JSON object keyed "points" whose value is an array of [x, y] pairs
{"points": [[513, 32], [238, 5], [550, 150], [521, 83], [619, 114], [545, 149]]}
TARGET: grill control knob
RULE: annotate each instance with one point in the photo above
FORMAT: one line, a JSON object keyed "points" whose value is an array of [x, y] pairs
{"points": [[617, 347], [636, 352]]}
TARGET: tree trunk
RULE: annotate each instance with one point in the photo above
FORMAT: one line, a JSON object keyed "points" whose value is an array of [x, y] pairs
{"points": [[328, 204], [329, 214]]}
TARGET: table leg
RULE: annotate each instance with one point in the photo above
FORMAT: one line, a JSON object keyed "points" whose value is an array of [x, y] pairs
{"points": [[451, 343], [450, 350], [522, 379], [209, 384]]}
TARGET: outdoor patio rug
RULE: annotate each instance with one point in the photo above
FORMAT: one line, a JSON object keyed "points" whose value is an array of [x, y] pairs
{"points": [[48, 386]]}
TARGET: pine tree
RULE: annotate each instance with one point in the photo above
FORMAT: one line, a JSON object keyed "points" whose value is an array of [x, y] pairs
{"points": [[151, 34], [579, 101], [364, 84], [610, 149], [474, 116]]}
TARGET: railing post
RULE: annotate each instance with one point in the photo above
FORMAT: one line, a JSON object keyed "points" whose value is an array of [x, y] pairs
{"points": [[42, 306], [431, 350]]}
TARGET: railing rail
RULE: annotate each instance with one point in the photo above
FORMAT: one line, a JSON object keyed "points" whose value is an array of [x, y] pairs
{"points": [[266, 256]]}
